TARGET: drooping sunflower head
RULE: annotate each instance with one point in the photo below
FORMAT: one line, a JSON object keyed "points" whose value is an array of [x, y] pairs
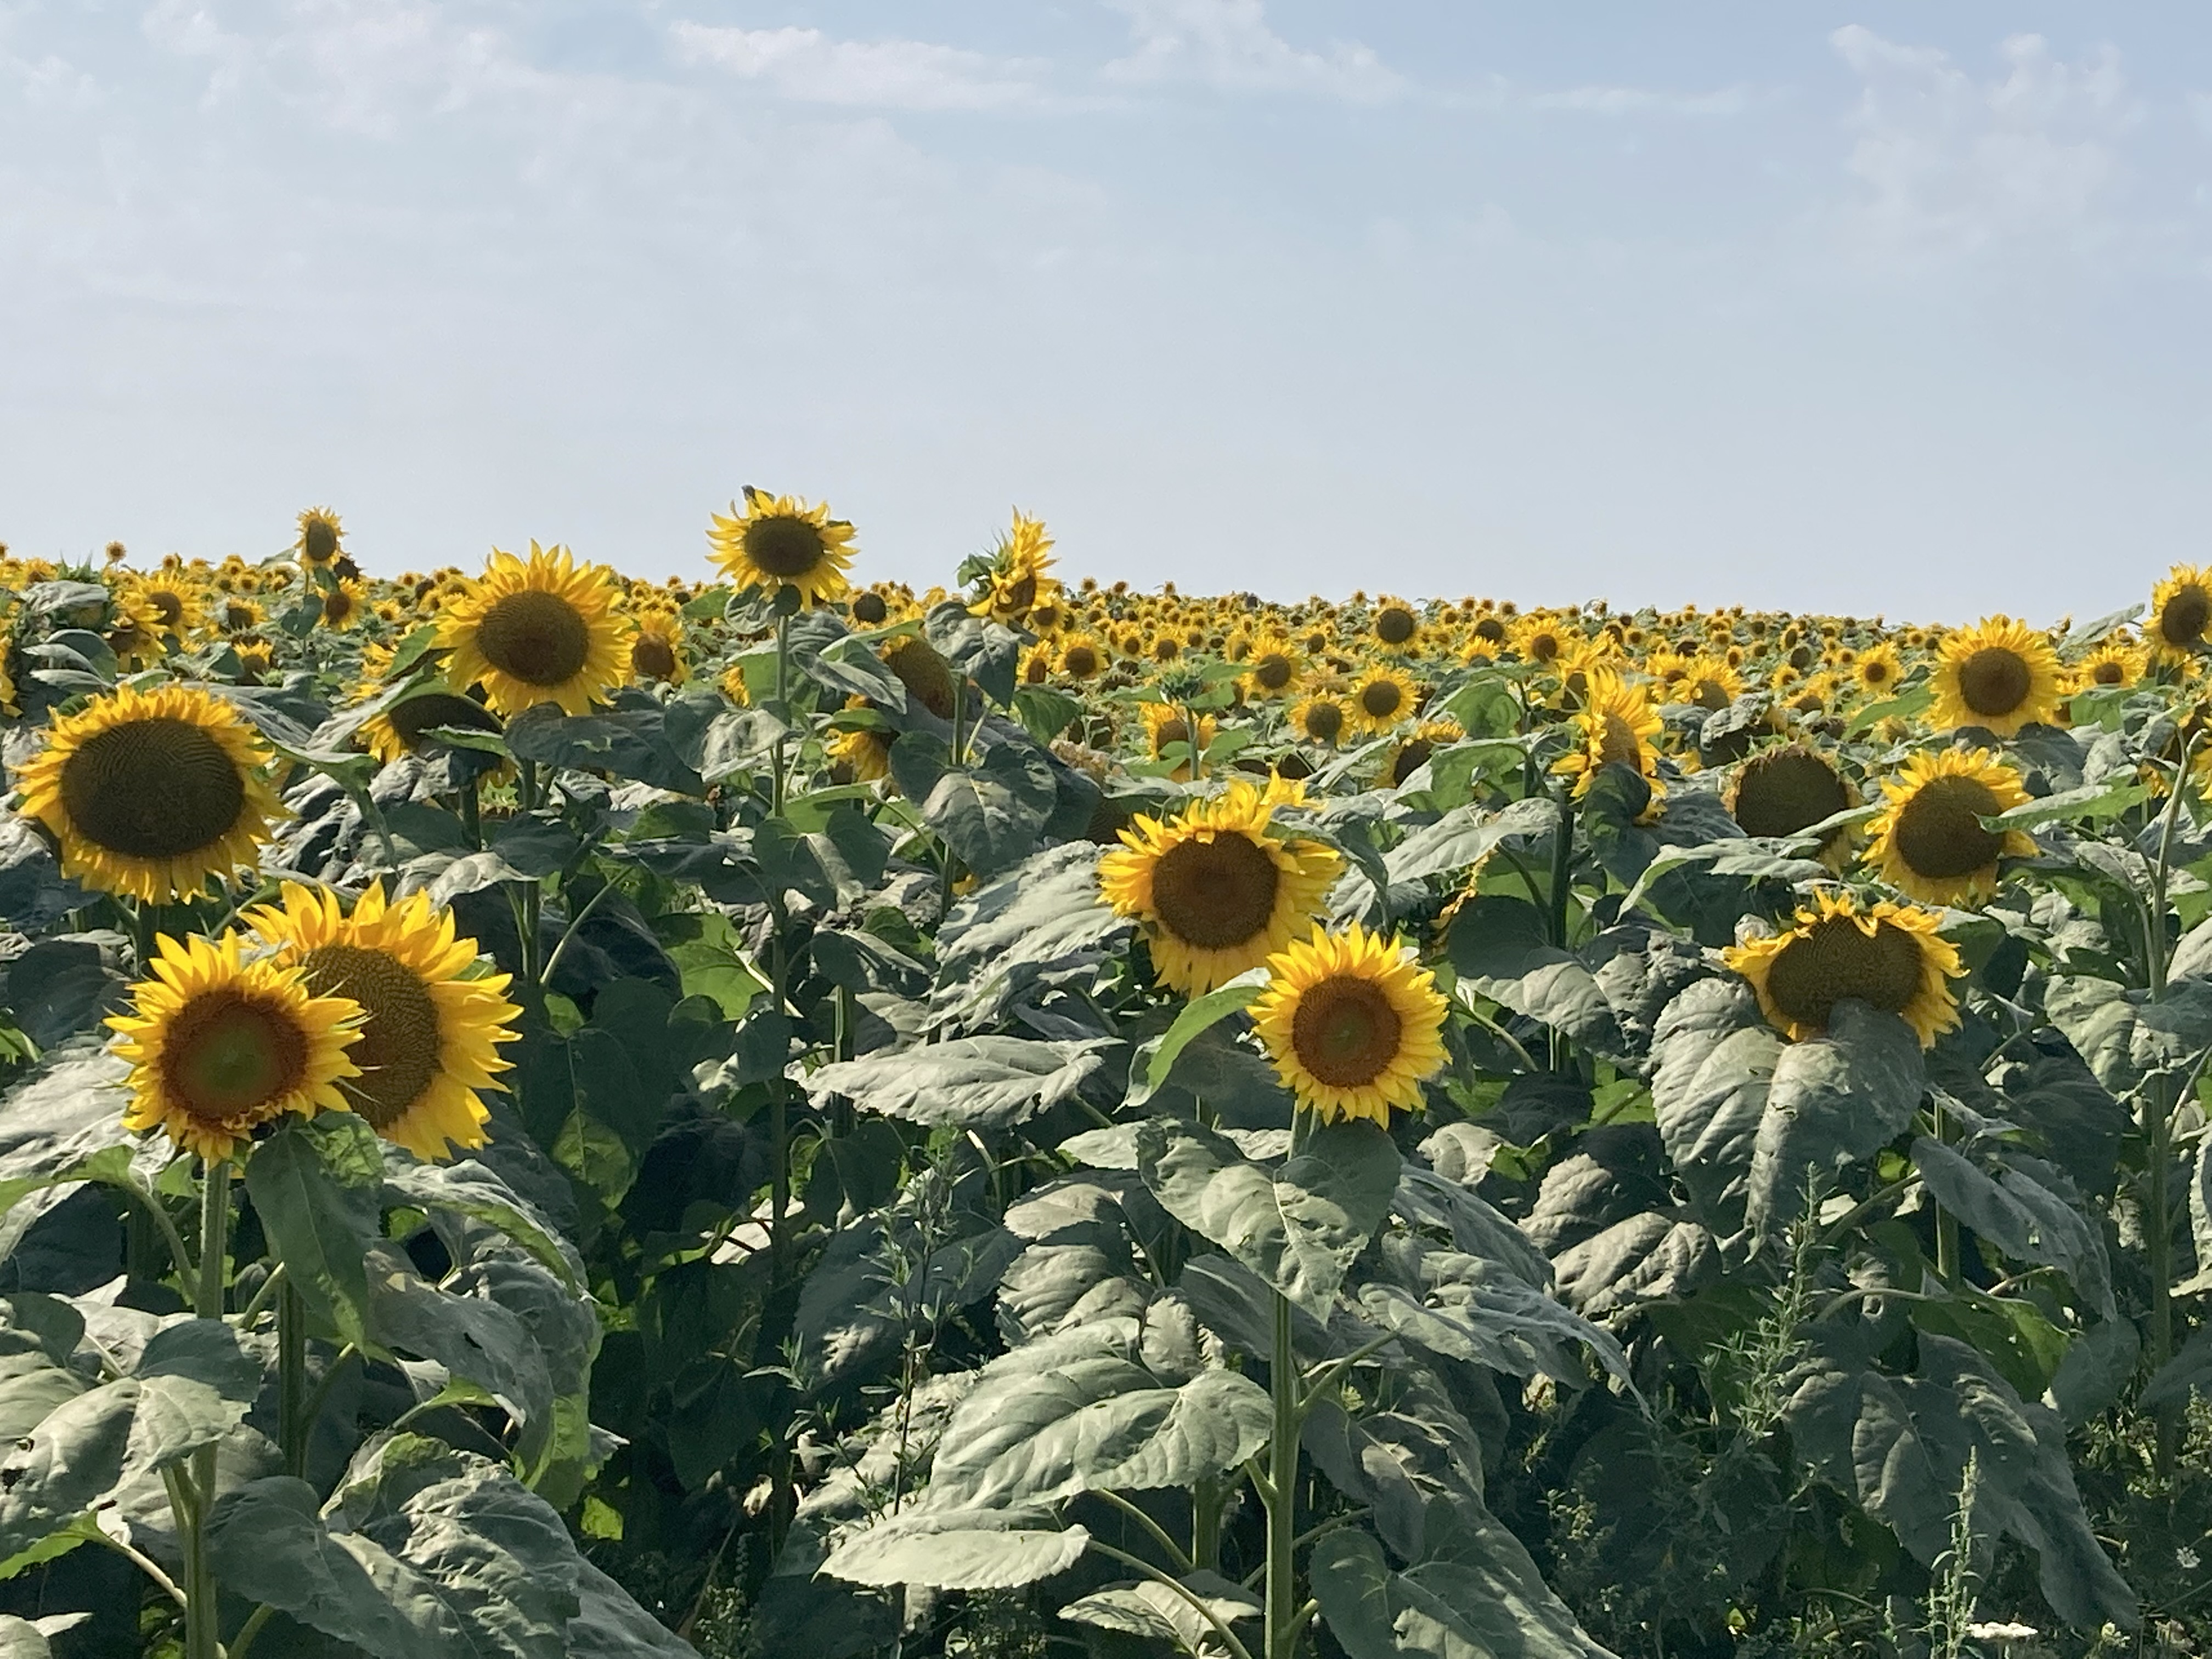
{"points": [[1999, 674], [657, 654], [543, 630], [1322, 717], [219, 1046], [1166, 728], [1784, 791], [1272, 667], [1352, 1024], [1929, 842], [1411, 752], [1889, 957], [860, 753], [135, 633], [776, 542], [150, 792], [929, 678], [1214, 888], [405, 727], [1615, 727], [1016, 586], [2180, 611], [321, 535], [429, 1032], [1383, 697]]}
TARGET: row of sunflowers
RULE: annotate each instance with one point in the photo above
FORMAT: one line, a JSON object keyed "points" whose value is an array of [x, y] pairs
{"points": [[868, 1121]]}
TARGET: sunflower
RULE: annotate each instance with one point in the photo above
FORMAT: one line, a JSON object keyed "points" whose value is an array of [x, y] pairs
{"points": [[1082, 657], [2116, 661], [1321, 718], [1411, 752], [1879, 670], [429, 1034], [1615, 725], [1707, 682], [150, 792], [1540, 640], [1890, 958], [219, 1046], [1165, 726], [864, 752], [1394, 625], [1381, 696], [544, 631], [1785, 790], [2181, 612], [1016, 585], [342, 604], [176, 603], [236, 614], [1215, 892], [923, 669], [1272, 667], [321, 537], [734, 687], [134, 630], [1928, 842], [1353, 1022], [404, 729], [779, 542], [1999, 675], [657, 652]]}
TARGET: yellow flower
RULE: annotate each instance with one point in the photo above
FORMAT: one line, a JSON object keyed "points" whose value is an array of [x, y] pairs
{"points": [[2116, 661], [1353, 1022], [1082, 657], [1272, 667], [1165, 726], [1615, 725], [780, 541], [150, 792], [321, 535], [544, 631], [2180, 611], [429, 1035], [1889, 957], [342, 604], [657, 652], [1879, 670], [1383, 697], [1929, 842], [403, 728], [865, 751], [219, 1046], [1321, 718], [1017, 584], [1999, 675], [1784, 791], [1214, 892], [1411, 752]]}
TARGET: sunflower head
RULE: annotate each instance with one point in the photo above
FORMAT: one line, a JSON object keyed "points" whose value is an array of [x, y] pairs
{"points": [[1272, 667], [1383, 697], [1411, 752], [776, 542], [2180, 611], [1165, 727], [1016, 587], [1889, 957], [1321, 718], [321, 535], [344, 603], [656, 655], [405, 727], [1215, 889], [1615, 725], [860, 754], [1784, 791], [1929, 841], [151, 792], [1999, 674], [429, 1030], [1082, 657], [1396, 625], [2113, 663], [219, 1046], [922, 669], [543, 630], [1878, 672], [1352, 1024]]}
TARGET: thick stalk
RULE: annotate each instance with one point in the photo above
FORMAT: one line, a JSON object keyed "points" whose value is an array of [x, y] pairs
{"points": [[2155, 1111], [1206, 1504], [202, 1631], [1947, 1225], [1282, 1493], [526, 900], [1562, 892], [777, 785], [292, 1380]]}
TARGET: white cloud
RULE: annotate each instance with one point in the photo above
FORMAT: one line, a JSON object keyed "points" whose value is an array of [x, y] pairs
{"points": [[1644, 101], [1228, 44], [1947, 164], [807, 65]]}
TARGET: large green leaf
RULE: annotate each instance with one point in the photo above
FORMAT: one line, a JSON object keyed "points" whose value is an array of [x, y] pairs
{"points": [[2126, 1035], [1156, 1058], [1297, 1226], [1082, 1411], [1715, 1061], [1499, 946], [974, 1549], [1462, 1307], [977, 1083], [993, 814], [1043, 918], [1467, 835], [1155, 1614], [1834, 1099], [2022, 1216], [473, 1337], [314, 1184], [63, 1123]]}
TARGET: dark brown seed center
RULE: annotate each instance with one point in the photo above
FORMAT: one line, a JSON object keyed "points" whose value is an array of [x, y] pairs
{"points": [[1215, 894], [1344, 1031], [535, 637], [155, 788]]}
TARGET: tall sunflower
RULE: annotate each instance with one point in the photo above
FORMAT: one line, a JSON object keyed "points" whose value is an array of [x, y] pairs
{"points": [[429, 1035], [219, 1046], [1928, 842], [1889, 957], [1272, 666], [150, 792], [1353, 1022], [1016, 585], [1383, 697], [1784, 791], [780, 541], [1999, 674], [321, 537], [1214, 888], [1615, 725], [2181, 612], [657, 654], [547, 630]]}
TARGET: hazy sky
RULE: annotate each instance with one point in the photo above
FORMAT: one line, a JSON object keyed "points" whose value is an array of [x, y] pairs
{"points": [[1868, 307]]}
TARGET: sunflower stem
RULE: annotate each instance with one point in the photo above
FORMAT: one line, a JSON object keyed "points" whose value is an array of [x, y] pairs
{"points": [[777, 785], [1282, 1491], [292, 1421], [204, 1609], [2156, 1116]]}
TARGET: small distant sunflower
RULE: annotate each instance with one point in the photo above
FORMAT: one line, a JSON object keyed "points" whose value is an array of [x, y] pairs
{"points": [[1879, 670], [543, 631], [1383, 697], [1321, 718], [2116, 661], [1540, 640], [1928, 842], [429, 1034], [864, 752], [1707, 682], [321, 537], [1616, 725], [1082, 657], [1411, 752], [1272, 667], [780, 541], [134, 630], [657, 652], [404, 728], [176, 602], [1165, 726], [2181, 612], [1999, 675], [1396, 626], [343, 602], [151, 792], [1016, 585], [236, 614], [1785, 790], [1889, 957], [1214, 891], [1352, 1024], [219, 1046]]}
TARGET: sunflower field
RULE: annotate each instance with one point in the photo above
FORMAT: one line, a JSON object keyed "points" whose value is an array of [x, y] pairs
{"points": [[551, 1114]]}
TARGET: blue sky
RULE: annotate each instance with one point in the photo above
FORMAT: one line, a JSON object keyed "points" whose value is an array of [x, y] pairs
{"points": [[1890, 308]]}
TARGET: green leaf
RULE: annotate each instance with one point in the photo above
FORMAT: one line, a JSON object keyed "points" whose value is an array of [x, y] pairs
{"points": [[1156, 1059], [65, 1123], [1299, 1226], [472, 1337], [320, 1226], [1467, 835], [1043, 917], [469, 1188], [1154, 1612], [1044, 712], [1464, 1308], [2020, 1216], [1498, 945], [1834, 1099], [991, 816], [2190, 1368], [2091, 800], [2127, 1036], [984, 1082], [1715, 1058], [968, 1549]]}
